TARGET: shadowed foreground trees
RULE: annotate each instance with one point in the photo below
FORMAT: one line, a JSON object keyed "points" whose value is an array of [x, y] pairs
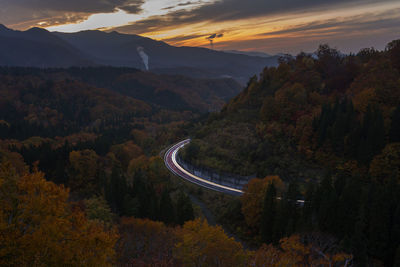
{"points": [[38, 227], [204, 245], [293, 252]]}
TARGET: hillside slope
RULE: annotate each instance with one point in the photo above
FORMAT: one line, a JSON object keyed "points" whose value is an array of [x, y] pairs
{"points": [[38, 47], [332, 111], [161, 91]]}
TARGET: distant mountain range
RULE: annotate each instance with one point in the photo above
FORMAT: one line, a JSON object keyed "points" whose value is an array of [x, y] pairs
{"points": [[40, 48], [248, 53]]}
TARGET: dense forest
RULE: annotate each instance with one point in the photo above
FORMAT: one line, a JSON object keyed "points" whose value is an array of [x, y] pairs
{"points": [[82, 180], [320, 127]]}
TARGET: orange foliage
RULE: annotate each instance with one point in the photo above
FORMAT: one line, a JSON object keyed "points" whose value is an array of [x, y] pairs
{"points": [[205, 245], [125, 152], [84, 171], [363, 99], [145, 243], [294, 253], [387, 164], [252, 199], [38, 227]]}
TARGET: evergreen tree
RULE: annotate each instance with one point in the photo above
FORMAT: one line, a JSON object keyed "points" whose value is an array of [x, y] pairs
{"points": [[359, 243], [291, 209], [327, 199], [394, 133], [166, 210], [184, 209], [268, 214], [307, 210], [348, 206], [116, 190]]}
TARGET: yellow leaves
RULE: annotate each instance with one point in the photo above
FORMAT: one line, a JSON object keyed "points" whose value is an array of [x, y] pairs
{"points": [[252, 199], [139, 136], [39, 227], [303, 133], [126, 152], [387, 164], [363, 99], [144, 242], [295, 94], [205, 245], [83, 171], [294, 253], [15, 161]]}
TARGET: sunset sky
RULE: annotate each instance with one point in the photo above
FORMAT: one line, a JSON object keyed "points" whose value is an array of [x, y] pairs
{"points": [[271, 26]]}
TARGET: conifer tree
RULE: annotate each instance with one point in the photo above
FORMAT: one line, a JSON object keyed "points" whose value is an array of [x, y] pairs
{"points": [[184, 209], [268, 214], [166, 211]]}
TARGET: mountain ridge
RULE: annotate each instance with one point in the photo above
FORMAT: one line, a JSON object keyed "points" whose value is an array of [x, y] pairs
{"points": [[93, 47]]}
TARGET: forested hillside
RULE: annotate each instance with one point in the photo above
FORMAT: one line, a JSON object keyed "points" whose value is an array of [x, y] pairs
{"points": [[323, 128], [98, 150], [95, 141], [82, 181], [331, 109]]}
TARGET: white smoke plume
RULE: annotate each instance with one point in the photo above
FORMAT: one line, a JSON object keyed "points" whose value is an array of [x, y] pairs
{"points": [[144, 56]]}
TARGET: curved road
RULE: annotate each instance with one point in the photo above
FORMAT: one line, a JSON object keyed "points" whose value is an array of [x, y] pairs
{"points": [[174, 167]]}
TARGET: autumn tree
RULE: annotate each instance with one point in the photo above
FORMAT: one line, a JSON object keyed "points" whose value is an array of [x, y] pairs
{"points": [[84, 172], [294, 252], [394, 52], [40, 228], [252, 199], [386, 165], [146, 243], [203, 245], [96, 208]]}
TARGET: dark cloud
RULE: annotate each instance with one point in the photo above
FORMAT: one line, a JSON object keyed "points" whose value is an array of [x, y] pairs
{"points": [[348, 35], [80, 6], [133, 8], [230, 10], [181, 38], [188, 3], [61, 11], [366, 22]]}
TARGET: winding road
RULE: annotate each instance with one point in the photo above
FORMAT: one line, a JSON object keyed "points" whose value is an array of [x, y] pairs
{"points": [[172, 164]]}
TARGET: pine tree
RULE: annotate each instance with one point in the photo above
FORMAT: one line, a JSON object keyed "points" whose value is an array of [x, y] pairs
{"points": [[184, 209], [327, 198], [268, 214], [166, 210], [290, 205], [308, 209], [394, 133]]}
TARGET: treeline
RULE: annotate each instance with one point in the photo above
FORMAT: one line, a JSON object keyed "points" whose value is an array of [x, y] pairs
{"points": [[349, 137], [170, 92], [363, 218], [97, 142], [313, 115], [328, 108], [75, 232]]}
